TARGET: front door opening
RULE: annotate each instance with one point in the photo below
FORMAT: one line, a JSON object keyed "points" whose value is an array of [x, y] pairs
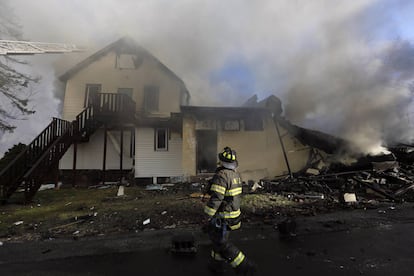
{"points": [[206, 151]]}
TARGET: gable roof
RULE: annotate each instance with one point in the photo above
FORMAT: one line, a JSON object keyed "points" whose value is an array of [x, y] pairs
{"points": [[124, 45]]}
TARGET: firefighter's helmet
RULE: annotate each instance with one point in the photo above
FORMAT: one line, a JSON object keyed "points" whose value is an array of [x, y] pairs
{"points": [[228, 158]]}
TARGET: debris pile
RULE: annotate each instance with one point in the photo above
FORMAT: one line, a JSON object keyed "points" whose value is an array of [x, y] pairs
{"points": [[385, 178]]}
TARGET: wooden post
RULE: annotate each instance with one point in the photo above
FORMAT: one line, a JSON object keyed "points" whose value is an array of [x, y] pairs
{"points": [[133, 145], [283, 147], [56, 175], [55, 129], [104, 153], [26, 190], [121, 150], [75, 150]]}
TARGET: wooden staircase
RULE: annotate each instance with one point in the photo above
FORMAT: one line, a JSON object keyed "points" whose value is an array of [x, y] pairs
{"points": [[42, 155]]}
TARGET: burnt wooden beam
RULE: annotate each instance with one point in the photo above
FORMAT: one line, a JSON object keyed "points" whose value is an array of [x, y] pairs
{"points": [[283, 147], [404, 190], [338, 174], [75, 151], [377, 190]]}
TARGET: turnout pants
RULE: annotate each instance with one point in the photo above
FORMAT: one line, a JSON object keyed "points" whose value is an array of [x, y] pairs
{"points": [[222, 249]]}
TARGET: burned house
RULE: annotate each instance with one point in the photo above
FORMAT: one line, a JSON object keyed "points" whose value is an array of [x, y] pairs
{"points": [[125, 114], [166, 137]]}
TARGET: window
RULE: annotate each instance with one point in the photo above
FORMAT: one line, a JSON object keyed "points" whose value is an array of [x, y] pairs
{"points": [[232, 125], [90, 93], [127, 61], [161, 139], [125, 91], [151, 95], [206, 124]]}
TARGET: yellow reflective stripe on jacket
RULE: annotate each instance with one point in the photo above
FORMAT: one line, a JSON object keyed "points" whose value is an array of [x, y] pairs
{"points": [[233, 192], [227, 215], [209, 211], [238, 260], [237, 180], [217, 188], [235, 227]]}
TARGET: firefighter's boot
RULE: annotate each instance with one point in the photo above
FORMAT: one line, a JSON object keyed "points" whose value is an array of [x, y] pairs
{"points": [[217, 267], [246, 268]]}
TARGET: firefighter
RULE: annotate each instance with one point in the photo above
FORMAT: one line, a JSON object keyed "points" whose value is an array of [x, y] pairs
{"points": [[223, 211]]}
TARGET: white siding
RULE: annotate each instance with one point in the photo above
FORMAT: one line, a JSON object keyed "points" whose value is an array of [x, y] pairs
{"points": [[151, 163], [90, 154]]}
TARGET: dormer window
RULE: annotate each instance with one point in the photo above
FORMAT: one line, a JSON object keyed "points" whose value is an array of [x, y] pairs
{"points": [[128, 61]]}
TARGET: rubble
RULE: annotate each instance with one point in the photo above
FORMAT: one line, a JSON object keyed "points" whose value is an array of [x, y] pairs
{"points": [[172, 226], [350, 198], [155, 187], [384, 178], [121, 191], [45, 187]]}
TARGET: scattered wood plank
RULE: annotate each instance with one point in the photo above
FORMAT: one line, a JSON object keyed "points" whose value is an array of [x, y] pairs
{"points": [[377, 190], [67, 225], [403, 190]]}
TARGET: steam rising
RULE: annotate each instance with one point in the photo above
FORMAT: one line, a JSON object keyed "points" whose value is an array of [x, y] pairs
{"points": [[338, 66]]}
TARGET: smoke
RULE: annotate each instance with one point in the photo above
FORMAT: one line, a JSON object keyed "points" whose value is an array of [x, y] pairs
{"points": [[360, 93], [339, 66]]}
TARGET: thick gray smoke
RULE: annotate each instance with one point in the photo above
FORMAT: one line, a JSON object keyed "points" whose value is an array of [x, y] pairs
{"points": [[361, 94], [339, 66]]}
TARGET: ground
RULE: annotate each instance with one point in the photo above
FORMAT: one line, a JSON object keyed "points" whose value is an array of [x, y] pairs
{"points": [[79, 231], [349, 242], [82, 212]]}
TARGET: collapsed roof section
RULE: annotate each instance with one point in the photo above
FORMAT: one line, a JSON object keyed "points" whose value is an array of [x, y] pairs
{"points": [[317, 139]]}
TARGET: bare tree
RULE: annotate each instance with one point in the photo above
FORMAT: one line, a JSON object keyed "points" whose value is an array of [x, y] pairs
{"points": [[14, 83]]}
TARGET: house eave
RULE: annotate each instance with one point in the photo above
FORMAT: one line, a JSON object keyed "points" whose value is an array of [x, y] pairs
{"points": [[227, 112]]}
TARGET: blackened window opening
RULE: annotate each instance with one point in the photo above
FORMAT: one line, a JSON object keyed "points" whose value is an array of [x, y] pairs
{"points": [[90, 93], [161, 139]]}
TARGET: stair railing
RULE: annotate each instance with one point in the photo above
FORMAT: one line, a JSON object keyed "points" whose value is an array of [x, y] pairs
{"points": [[13, 172]]}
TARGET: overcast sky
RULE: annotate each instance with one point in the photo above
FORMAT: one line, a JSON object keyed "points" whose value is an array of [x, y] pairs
{"points": [[339, 66]]}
